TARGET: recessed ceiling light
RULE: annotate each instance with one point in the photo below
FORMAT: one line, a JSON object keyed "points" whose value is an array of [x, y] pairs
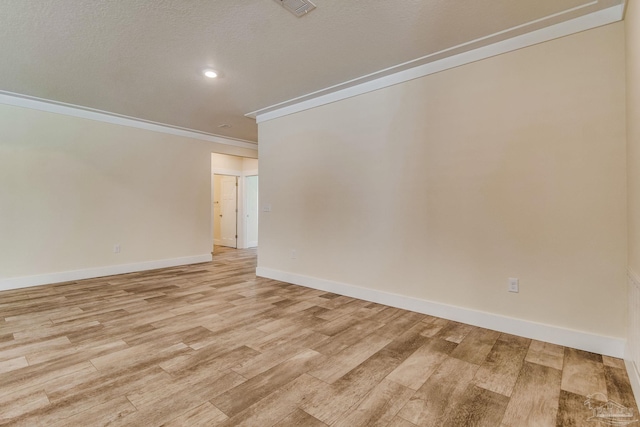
{"points": [[210, 73]]}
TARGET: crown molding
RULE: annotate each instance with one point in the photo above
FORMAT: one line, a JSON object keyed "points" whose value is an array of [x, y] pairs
{"points": [[34, 103], [370, 83]]}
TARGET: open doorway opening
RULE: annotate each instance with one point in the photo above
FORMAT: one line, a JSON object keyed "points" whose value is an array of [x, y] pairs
{"points": [[234, 201]]}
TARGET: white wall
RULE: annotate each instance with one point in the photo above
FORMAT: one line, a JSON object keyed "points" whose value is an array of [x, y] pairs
{"points": [[632, 26], [251, 210], [633, 131], [441, 188], [72, 188]]}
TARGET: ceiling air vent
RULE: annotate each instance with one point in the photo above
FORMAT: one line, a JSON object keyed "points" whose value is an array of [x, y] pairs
{"points": [[297, 7]]}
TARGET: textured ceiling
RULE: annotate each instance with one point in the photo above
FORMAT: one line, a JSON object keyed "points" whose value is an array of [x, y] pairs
{"points": [[144, 58]]}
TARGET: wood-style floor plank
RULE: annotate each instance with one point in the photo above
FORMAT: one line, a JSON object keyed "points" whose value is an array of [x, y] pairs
{"points": [[534, 401], [213, 345], [434, 402], [379, 406], [618, 387], [478, 407], [476, 345], [300, 418], [500, 370], [418, 367], [204, 415], [546, 354], [583, 373]]}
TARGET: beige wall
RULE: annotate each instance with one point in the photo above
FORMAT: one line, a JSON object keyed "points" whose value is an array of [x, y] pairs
{"points": [[249, 166], [632, 25], [226, 163], [239, 165], [71, 188], [443, 187]]}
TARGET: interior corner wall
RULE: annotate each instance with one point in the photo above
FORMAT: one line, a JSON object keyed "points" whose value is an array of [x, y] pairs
{"points": [[632, 26], [632, 29], [443, 187], [72, 188]]}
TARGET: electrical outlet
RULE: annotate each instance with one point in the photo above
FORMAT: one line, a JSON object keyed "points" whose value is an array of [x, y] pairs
{"points": [[294, 254], [266, 207], [116, 248], [514, 285]]}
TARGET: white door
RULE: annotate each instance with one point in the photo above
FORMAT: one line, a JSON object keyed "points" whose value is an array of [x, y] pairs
{"points": [[252, 211], [229, 211]]}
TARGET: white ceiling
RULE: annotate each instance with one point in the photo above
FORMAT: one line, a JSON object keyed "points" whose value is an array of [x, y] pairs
{"points": [[144, 58]]}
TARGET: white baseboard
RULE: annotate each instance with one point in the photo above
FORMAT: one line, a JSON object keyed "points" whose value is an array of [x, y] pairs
{"points": [[252, 244], [634, 375], [632, 356], [90, 273], [217, 242], [608, 346]]}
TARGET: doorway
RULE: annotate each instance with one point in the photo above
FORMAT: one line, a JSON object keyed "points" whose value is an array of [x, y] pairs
{"points": [[225, 210], [234, 214]]}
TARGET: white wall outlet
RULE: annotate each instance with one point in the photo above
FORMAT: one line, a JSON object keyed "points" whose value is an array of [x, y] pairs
{"points": [[116, 248], [514, 285], [266, 207], [294, 254]]}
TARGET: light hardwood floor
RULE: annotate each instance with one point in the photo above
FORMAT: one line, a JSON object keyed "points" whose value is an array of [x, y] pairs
{"points": [[212, 345]]}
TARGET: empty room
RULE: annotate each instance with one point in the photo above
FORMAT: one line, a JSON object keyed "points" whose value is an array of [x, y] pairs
{"points": [[320, 213]]}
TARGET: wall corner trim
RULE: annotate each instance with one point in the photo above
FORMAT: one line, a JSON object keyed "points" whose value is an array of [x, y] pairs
{"points": [[424, 66], [90, 273], [634, 376], [609, 346], [631, 359], [40, 104]]}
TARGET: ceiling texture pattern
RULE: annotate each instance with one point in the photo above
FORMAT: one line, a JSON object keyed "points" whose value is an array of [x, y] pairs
{"points": [[144, 58]]}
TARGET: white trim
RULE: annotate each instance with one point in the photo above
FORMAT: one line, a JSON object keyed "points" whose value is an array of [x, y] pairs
{"points": [[634, 376], [240, 244], [245, 224], [609, 346], [90, 273], [34, 103], [630, 359], [229, 172], [422, 67]]}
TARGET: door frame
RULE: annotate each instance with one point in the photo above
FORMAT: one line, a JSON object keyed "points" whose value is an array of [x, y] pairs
{"points": [[236, 225], [240, 241], [240, 215]]}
